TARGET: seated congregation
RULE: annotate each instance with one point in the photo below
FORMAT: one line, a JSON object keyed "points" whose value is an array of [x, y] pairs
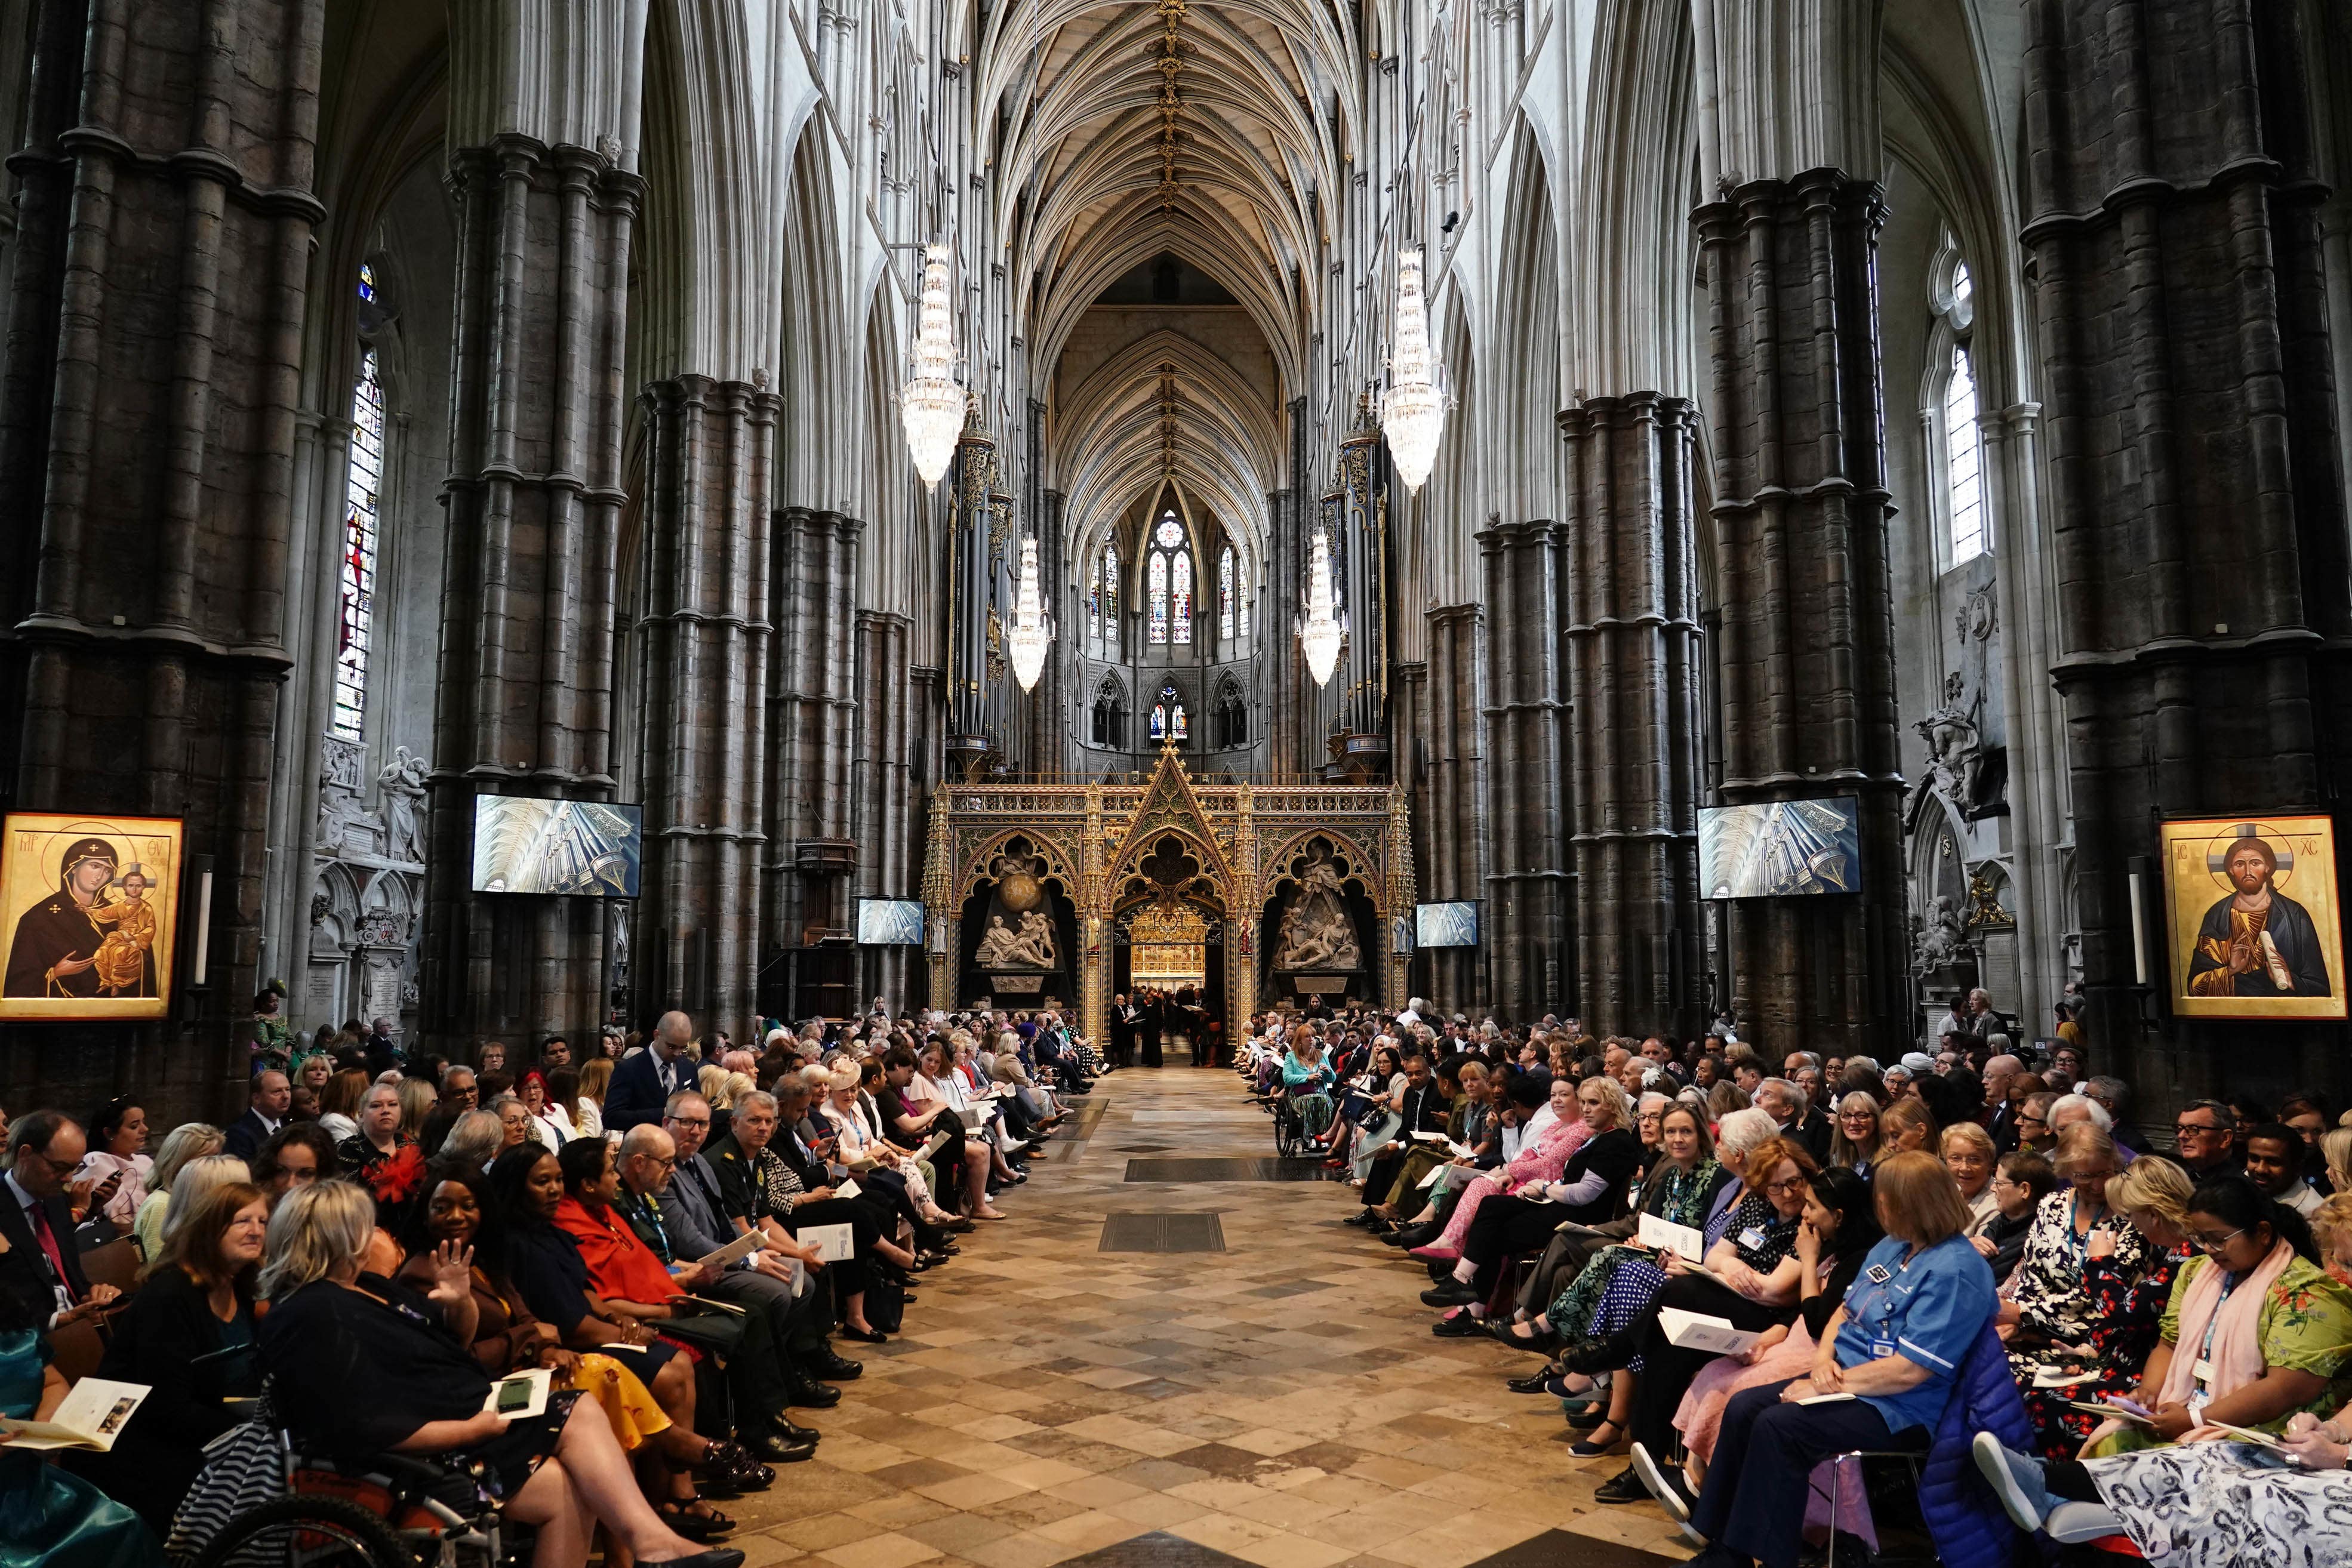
{"points": [[1964, 1270], [677, 1236]]}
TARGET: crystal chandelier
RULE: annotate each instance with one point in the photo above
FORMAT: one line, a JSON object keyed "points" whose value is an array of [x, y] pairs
{"points": [[1032, 632], [1413, 415], [932, 404], [1322, 633]]}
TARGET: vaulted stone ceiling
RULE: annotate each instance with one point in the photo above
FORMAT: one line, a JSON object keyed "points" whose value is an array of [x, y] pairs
{"points": [[1210, 131]]}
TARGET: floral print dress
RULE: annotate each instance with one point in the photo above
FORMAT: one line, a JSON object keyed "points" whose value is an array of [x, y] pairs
{"points": [[2127, 1315], [2050, 1284], [1637, 1282]]}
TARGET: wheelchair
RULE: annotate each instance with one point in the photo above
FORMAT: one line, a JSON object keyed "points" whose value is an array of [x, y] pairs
{"points": [[389, 1512]]}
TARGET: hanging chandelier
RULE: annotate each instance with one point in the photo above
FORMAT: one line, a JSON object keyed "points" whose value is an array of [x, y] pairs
{"points": [[1322, 633], [931, 402], [1413, 415], [1032, 632]]}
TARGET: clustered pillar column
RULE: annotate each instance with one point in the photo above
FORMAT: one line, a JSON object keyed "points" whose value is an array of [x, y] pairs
{"points": [[2204, 602], [703, 668], [534, 497], [811, 854], [1629, 627], [1529, 922], [1807, 661], [1451, 831], [887, 806], [147, 437]]}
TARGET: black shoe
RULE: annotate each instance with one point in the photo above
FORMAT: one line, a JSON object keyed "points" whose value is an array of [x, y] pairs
{"points": [[1623, 1487], [716, 1557], [958, 1226], [1586, 1418], [862, 1336], [1363, 1219], [1532, 1383], [1589, 1357], [810, 1395], [784, 1427], [1449, 1292], [1457, 1325], [840, 1368], [775, 1446]]}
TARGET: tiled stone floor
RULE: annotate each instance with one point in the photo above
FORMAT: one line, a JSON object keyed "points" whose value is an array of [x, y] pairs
{"points": [[1281, 1402]]}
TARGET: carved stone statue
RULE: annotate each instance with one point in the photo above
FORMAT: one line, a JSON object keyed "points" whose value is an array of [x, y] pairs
{"points": [[1028, 947], [1940, 934], [1955, 757], [402, 787], [1315, 932]]}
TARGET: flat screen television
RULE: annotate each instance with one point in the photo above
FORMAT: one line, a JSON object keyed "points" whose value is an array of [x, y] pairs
{"points": [[1780, 849], [582, 849], [1446, 924], [889, 923]]}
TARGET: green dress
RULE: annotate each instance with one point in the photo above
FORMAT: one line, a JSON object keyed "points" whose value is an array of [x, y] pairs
{"points": [[1685, 1199], [49, 1517], [2305, 1323]]}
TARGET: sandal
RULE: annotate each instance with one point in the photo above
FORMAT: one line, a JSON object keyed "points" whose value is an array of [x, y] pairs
{"points": [[679, 1514], [1592, 1448]]}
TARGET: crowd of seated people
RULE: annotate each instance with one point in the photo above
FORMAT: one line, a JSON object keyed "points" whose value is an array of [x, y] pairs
{"points": [[357, 1266], [1970, 1256]]}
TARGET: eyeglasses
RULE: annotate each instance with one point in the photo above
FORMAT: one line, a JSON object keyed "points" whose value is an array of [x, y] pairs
{"points": [[1794, 1184], [2195, 1129], [690, 1121], [2215, 1243], [2033, 1121]]}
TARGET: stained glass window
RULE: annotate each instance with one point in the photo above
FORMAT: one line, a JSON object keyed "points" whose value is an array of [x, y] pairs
{"points": [[1225, 626], [1094, 607], [1169, 535], [1107, 586], [1169, 721], [1180, 594], [1156, 581], [355, 598], [1963, 464]]}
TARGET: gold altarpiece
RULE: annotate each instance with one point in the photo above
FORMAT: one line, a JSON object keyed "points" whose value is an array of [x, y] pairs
{"points": [[1235, 842]]}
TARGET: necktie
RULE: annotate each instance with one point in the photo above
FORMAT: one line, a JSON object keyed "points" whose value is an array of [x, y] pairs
{"points": [[48, 1237]]}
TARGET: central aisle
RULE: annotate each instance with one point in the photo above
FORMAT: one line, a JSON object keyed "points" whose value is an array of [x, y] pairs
{"points": [[1281, 1402]]}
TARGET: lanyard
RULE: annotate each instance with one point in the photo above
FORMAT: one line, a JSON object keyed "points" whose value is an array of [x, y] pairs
{"points": [[2077, 1243], [2205, 1352]]}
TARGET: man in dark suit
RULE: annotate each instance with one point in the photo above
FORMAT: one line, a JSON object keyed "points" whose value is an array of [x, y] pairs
{"points": [[41, 1269], [643, 1085], [265, 1113], [1154, 1018], [1122, 1032], [1423, 1109]]}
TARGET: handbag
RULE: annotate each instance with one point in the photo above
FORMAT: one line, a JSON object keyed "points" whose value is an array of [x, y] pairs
{"points": [[245, 1468]]}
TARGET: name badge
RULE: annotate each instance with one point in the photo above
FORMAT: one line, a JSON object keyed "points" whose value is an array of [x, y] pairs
{"points": [[1752, 1238], [1879, 1273], [2204, 1373], [1880, 1349]]}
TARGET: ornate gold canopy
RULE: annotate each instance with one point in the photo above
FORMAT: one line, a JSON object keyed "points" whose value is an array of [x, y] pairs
{"points": [[1229, 842]]}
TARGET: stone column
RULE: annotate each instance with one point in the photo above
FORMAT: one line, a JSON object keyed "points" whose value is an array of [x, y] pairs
{"points": [[703, 670], [885, 792], [811, 852], [1799, 526], [147, 444], [535, 499], [1360, 575], [1531, 918], [1452, 823], [2199, 504], [1629, 630]]}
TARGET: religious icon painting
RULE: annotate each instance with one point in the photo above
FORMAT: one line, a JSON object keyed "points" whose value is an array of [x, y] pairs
{"points": [[2253, 918], [91, 907]]}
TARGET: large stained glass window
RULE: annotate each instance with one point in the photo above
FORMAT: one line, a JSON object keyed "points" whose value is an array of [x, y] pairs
{"points": [[355, 597], [1168, 580], [1226, 627]]}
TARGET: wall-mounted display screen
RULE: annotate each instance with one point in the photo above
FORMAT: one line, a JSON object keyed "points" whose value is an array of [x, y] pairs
{"points": [[889, 923], [590, 849], [1446, 926], [1780, 849]]}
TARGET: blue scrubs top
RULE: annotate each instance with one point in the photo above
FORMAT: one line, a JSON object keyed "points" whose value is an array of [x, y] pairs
{"points": [[1929, 1310]]}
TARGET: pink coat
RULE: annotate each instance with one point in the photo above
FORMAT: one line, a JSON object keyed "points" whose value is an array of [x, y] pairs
{"points": [[1541, 1161]]}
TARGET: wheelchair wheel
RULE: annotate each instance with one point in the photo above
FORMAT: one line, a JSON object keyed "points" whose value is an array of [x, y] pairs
{"points": [[1286, 1132], [313, 1532]]}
